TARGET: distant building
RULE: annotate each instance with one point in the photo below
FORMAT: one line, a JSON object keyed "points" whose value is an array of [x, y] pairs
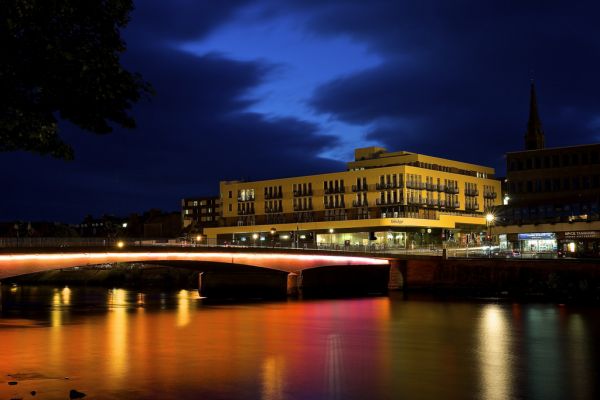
{"points": [[107, 226], [158, 224], [553, 195], [394, 199], [198, 213]]}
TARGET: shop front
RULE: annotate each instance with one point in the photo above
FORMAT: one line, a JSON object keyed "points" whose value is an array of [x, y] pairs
{"points": [[535, 242], [580, 243]]}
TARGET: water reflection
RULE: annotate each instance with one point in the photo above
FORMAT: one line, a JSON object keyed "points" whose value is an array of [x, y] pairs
{"points": [[495, 353], [273, 378], [334, 367], [116, 333], [133, 344]]}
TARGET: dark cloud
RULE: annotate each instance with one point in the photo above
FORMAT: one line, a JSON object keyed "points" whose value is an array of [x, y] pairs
{"points": [[176, 20], [193, 133], [455, 75]]}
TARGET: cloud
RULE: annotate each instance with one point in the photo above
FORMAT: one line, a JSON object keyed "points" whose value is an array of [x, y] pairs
{"points": [[193, 133], [454, 77]]}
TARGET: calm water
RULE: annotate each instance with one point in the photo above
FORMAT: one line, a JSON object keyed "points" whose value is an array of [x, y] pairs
{"points": [[122, 344]]}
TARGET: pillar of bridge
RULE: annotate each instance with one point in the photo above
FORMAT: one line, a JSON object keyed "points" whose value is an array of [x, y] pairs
{"points": [[397, 274], [293, 284]]}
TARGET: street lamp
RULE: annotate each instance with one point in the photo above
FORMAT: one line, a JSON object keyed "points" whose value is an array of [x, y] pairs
{"points": [[489, 219], [254, 237], [331, 237], [273, 231]]}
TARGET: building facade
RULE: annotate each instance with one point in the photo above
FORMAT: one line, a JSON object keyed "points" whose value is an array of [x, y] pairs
{"points": [[395, 199], [198, 213], [553, 196]]}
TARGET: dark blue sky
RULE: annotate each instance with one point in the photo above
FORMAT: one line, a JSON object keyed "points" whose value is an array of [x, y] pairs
{"points": [[261, 89]]}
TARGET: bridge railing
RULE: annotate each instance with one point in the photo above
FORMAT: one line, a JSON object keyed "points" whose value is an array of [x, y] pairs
{"points": [[427, 250]]}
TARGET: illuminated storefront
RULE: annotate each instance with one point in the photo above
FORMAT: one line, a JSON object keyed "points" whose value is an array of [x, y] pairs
{"points": [[537, 242]]}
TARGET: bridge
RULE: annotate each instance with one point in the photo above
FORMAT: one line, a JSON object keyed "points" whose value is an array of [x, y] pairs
{"points": [[266, 268]]}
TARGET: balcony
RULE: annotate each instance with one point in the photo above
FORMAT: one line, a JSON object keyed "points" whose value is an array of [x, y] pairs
{"points": [[490, 195], [360, 203], [302, 208], [416, 201], [301, 193], [452, 189], [335, 190], [472, 206], [415, 185], [356, 188], [451, 204], [471, 192], [383, 202], [332, 206], [246, 212], [273, 210], [278, 195], [441, 188], [247, 198], [391, 185]]}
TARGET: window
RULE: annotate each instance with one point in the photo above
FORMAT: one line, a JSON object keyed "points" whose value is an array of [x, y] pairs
{"points": [[230, 208], [230, 196]]}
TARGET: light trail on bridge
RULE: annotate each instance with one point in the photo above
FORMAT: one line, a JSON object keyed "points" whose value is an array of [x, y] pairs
{"points": [[18, 264]]}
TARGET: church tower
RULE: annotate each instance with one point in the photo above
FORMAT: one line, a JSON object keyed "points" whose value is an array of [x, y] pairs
{"points": [[534, 137]]}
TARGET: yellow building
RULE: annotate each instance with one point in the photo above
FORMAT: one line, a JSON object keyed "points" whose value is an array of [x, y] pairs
{"points": [[396, 199]]}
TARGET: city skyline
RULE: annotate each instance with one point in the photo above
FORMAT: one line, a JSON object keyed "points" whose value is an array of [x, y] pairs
{"points": [[262, 90]]}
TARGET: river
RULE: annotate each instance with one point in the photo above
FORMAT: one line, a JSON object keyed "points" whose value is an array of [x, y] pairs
{"points": [[128, 344]]}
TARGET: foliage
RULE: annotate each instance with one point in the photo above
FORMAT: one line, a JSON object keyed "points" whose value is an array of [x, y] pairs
{"points": [[60, 60]]}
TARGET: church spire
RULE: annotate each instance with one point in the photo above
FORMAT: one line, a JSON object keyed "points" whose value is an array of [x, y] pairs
{"points": [[534, 137]]}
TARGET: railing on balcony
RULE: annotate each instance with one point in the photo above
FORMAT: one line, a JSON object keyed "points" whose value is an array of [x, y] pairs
{"points": [[247, 198], [360, 203], [472, 206], [417, 201], [452, 189], [278, 195], [391, 185], [490, 195], [300, 193], [416, 185], [356, 188], [246, 212], [303, 208], [471, 192], [273, 210], [332, 190], [441, 188], [391, 202], [329, 206]]}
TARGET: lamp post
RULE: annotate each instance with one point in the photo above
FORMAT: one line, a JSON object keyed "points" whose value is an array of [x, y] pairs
{"points": [[254, 237], [273, 231], [489, 219], [331, 237]]}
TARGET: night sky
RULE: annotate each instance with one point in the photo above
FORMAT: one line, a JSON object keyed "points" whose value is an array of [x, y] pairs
{"points": [[266, 89]]}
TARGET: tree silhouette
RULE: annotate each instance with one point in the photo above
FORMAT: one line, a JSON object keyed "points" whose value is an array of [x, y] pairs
{"points": [[60, 60]]}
